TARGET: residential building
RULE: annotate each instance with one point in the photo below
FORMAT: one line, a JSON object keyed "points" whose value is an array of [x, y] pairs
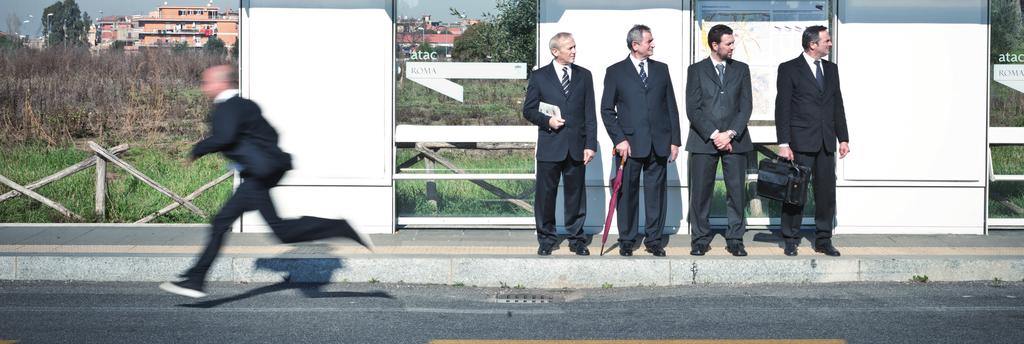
{"points": [[192, 25], [116, 28]]}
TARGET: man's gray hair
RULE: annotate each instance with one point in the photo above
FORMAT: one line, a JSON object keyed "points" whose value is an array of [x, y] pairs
{"points": [[636, 34], [558, 37]]}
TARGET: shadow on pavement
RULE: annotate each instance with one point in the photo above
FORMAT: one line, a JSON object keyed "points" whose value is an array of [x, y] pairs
{"points": [[307, 275]]}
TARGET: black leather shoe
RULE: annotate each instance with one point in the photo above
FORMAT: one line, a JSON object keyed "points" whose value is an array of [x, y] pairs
{"points": [[656, 251], [580, 250], [828, 250], [737, 250], [699, 250], [625, 252], [544, 251], [791, 249]]}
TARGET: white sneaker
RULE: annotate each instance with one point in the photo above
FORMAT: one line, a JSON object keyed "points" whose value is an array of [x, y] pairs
{"points": [[180, 289]]}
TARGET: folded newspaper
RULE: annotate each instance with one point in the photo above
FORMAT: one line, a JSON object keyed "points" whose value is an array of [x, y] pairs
{"points": [[550, 110]]}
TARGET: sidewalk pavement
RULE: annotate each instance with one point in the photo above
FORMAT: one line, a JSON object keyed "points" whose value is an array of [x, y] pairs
{"points": [[492, 258]]}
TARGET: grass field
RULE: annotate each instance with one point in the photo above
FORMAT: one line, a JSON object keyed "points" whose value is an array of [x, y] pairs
{"points": [[1007, 106], [128, 199], [1007, 160], [487, 102], [461, 197]]}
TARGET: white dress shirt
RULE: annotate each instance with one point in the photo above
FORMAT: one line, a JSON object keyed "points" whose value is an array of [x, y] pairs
{"points": [[558, 70], [715, 62], [225, 95], [636, 65], [810, 63]]}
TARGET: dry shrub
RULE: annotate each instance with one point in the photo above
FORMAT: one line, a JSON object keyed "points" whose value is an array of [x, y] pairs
{"points": [[62, 95]]}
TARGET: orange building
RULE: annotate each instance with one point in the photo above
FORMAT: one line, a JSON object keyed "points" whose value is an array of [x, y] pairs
{"points": [[193, 25]]}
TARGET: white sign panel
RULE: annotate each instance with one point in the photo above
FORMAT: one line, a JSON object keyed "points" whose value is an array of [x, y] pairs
{"points": [[435, 75], [1011, 75]]}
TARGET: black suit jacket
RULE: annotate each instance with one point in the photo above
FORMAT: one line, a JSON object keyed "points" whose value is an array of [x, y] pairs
{"points": [[577, 108], [712, 105], [647, 117], [238, 129], [807, 117]]}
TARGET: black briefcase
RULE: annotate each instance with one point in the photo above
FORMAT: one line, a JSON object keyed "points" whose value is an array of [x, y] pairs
{"points": [[782, 180]]}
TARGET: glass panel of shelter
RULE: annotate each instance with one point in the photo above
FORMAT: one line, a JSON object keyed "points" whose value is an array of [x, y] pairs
{"points": [[425, 41], [430, 32], [1006, 110]]}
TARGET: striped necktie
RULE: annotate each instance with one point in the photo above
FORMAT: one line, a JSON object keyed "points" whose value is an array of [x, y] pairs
{"points": [[565, 80], [643, 74]]}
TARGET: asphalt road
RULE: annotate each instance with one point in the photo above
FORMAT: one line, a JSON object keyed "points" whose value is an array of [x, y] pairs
{"points": [[53, 312]]}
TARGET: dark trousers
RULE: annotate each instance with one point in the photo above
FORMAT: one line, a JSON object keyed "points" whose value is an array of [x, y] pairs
{"points": [[652, 168], [702, 168], [823, 178], [572, 173], [254, 194]]}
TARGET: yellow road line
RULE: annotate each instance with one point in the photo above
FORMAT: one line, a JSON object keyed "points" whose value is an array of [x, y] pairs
{"points": [[639, 341]]}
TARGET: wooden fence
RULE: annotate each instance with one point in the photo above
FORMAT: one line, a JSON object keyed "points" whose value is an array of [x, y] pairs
{"points": [[100, 158]]}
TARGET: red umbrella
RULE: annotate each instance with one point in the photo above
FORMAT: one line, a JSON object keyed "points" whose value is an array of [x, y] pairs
{"points": [[616, 184]]}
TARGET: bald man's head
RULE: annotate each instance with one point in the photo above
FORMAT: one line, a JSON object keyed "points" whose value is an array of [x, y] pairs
{"points": [[217, 79]]}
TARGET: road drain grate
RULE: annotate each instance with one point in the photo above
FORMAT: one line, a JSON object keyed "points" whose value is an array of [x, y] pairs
{"points": [[523, 298]]}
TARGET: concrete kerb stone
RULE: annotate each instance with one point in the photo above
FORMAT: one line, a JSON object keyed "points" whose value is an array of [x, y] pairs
{"points": [[557, 272], [98, 268], [945, 269], [529, 272], [267, 270], [338, 269], [731, 270], [394, 270], [7, 265]]}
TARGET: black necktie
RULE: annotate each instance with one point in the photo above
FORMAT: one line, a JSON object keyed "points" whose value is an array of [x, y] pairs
{"points": [[643, 74], [818, 75], [565, 80]]}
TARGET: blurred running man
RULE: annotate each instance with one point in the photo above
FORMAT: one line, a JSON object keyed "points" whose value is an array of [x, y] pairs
{"points": [[239, 131]]}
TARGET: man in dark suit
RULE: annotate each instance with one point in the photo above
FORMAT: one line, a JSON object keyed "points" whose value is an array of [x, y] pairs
{"points": [[640, 113], [809, 119], [565, 143], [718, 104], [240, 132]]}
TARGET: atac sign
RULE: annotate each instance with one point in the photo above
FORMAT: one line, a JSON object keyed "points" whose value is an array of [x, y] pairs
{"points": [[435, 75]]}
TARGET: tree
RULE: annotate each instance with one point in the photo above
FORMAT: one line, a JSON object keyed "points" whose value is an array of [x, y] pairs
{"points": [[215, 46], [234, 50], [13, 24], [506, 37], [180, 47], [517, 25], [65, 25], [9, 42], [476, 44], [86, 24], [1007, 31]]}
